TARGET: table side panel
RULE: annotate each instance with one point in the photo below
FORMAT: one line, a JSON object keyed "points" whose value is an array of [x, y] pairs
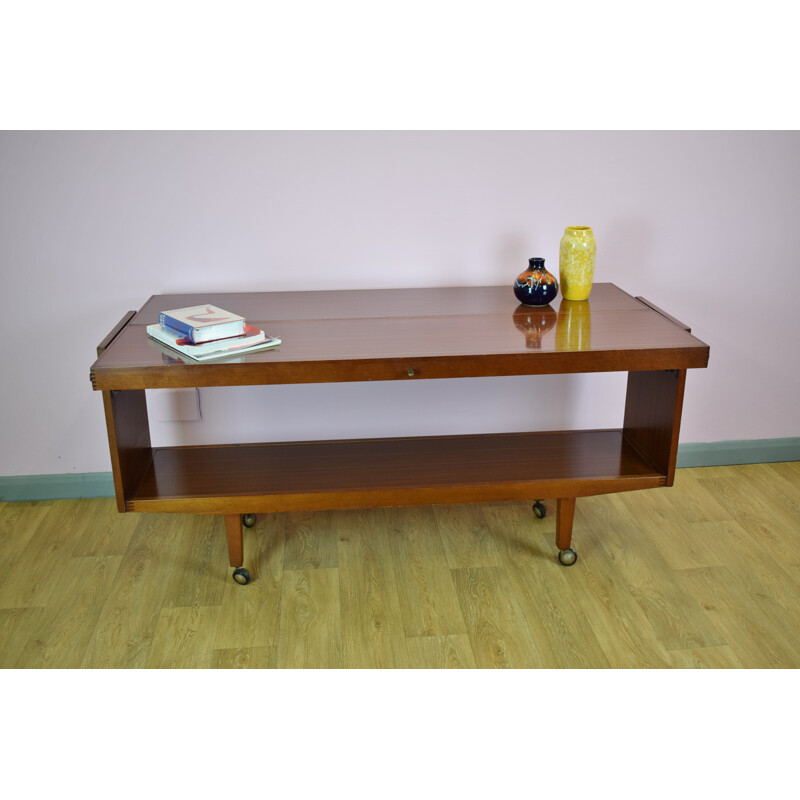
{"points": [[128, 441], [652, 421]]}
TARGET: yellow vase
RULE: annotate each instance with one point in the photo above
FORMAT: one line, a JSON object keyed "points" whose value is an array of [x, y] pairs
{"points": [[576, 262]]}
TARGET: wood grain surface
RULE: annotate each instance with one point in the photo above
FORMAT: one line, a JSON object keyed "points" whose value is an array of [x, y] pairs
{"points": [[389, 472], [704, 575], [405, 334]]}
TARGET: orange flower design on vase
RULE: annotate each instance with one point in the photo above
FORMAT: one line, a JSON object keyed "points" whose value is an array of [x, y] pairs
{"points": [[536, 286]]}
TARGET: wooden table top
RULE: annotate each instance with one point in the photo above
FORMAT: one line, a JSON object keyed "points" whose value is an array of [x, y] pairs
{"points": [[408, 334]]}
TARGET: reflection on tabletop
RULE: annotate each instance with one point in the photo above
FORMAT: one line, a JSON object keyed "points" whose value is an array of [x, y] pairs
{"points": [[572, 323], [534, 322]]}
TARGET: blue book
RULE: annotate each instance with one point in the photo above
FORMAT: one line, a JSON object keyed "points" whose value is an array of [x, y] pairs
{"points": [[202, 323]]}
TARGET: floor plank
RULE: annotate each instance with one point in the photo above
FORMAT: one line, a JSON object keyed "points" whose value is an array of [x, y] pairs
{"points": [[62, 632], [677, 619], [441, 652], [128, 621], [373, 634], [103, 531], [465, 536], [202, 550], [720, 657], [251, 614], [245, 658], [310, 540], [16, 625], [429, 604], [18, 523], [495, 624], [543, 588], [39, 558], [184, 637], [311, 632], [757, 639], [621, 627]]}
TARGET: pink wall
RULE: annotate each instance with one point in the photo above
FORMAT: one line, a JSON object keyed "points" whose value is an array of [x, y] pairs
{"points": [[91, 224]]}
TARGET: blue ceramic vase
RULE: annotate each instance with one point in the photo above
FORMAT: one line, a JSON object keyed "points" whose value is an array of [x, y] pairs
{"points": [[536, 286]]}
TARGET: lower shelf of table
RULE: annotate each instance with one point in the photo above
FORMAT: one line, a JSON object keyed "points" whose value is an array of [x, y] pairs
{"points": [[228, 479]]}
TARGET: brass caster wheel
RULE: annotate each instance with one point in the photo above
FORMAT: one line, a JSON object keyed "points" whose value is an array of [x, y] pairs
{"points": [[248, 520], [241, 575], [567, 557], [539, 510]]}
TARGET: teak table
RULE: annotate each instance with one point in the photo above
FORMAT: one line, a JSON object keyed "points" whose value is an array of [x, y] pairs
{"points": [[401, 335]]}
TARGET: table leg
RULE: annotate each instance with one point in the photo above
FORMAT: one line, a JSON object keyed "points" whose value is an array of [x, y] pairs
{"points": [[233, 532], [565, 514]]}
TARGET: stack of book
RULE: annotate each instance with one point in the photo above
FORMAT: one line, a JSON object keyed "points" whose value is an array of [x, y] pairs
{"points": [[206, 332]]}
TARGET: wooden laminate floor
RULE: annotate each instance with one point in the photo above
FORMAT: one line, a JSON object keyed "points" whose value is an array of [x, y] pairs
{"points": [[705, 574]]}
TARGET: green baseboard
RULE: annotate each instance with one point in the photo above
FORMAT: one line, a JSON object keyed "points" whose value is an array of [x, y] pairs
{"points": [[56, 487], [101, 484], [746, 451]]}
